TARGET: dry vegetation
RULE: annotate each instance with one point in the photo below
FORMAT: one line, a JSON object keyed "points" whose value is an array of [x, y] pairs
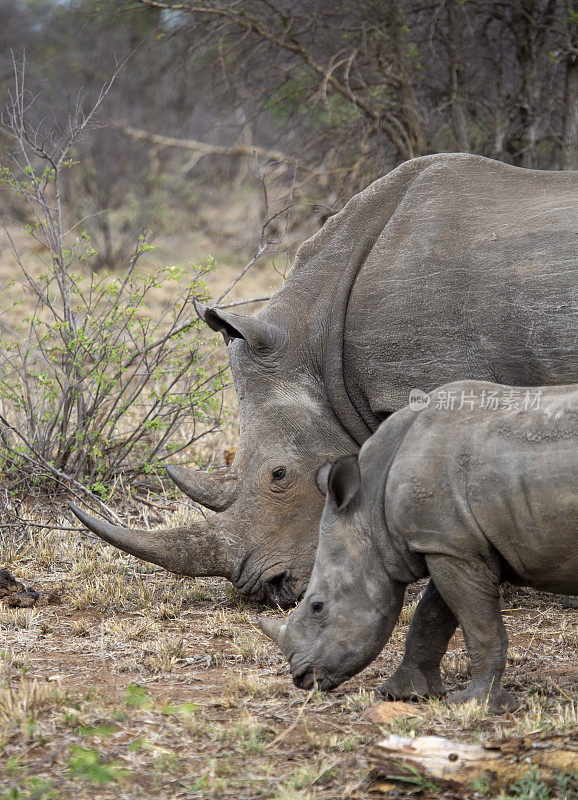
{"points": [[215, 245], [128, 682]]}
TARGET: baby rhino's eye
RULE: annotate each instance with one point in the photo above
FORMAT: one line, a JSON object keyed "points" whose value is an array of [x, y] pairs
{"points": [[279, 473], [317, 606]]}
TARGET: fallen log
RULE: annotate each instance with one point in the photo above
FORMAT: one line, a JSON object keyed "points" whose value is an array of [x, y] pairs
{"points": [[435, 762]]}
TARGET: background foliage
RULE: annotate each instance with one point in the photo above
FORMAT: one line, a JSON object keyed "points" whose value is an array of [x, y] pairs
{"points": [[343, 91]]}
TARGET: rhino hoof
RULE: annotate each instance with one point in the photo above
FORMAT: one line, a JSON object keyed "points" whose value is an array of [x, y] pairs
{"points": [[498, 701], [407, 683]]}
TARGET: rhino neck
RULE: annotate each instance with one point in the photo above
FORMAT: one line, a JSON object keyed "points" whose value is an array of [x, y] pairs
{"points": [[376, 460], [399, 562], [316, 294]]}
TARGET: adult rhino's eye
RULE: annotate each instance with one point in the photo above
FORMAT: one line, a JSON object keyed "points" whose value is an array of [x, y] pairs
{"points": [[279, 473], [317, 606]]}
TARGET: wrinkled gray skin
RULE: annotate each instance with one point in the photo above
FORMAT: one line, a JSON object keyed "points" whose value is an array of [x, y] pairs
{"points": [[472, 498], [452, 266]]}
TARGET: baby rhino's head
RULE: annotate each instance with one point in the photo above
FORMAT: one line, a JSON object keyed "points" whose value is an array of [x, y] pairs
{"points": [[351, 604]]}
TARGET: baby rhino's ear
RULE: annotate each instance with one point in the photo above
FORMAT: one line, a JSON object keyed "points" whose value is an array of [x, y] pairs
{"points": [[323, 477], [344, 481]]}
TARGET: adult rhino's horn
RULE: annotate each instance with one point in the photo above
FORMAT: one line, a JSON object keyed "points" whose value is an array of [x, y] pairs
{"points": [[257, 333], [215, 490], [274, 628], [194, 551]]}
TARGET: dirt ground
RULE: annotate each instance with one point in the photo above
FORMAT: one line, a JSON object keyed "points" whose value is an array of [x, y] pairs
{"points": [[125, 681]]}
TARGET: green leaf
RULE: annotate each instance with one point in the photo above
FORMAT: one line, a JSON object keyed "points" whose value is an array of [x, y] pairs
{"points": [[137, 696], [87, 765]]}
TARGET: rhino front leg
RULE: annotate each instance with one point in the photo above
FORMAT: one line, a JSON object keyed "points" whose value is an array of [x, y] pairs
{"points": [[472, 591], [431, 628]]}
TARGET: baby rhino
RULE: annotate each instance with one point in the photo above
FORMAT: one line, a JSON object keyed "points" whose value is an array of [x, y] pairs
{"points": [[476, 488]]}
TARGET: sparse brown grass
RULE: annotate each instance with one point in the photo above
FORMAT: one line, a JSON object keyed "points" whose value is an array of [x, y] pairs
{"points": [[15, 618], [23, 702], [141, 684]]}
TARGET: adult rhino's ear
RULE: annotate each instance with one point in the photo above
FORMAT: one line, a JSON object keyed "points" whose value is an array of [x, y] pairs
{"points": [[323, 477], [344, 481], [257, 333]]}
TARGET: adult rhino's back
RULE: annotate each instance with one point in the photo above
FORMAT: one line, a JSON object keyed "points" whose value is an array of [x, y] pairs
{"points": [[473, 275]]}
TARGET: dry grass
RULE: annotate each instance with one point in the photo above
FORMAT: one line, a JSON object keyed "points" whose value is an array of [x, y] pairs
{"points": [[18, 618], [140, 684], [24, 702]]}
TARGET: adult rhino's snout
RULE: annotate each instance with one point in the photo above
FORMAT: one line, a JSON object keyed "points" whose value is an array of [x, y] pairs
{"points": [[218, 491], [305, 678]]}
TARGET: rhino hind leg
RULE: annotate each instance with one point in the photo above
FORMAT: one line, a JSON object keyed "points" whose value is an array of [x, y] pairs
{"points": [[473, 593], [431, 628]]}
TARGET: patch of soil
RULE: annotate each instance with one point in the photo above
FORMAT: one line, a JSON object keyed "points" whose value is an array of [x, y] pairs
{"points": [[210, 703]]}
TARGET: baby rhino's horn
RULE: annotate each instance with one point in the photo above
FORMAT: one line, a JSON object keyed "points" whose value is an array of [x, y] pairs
{"points": [[274, 628]]}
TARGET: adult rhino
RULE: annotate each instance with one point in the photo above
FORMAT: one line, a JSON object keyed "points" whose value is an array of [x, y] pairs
{"points": [[452, 266]]}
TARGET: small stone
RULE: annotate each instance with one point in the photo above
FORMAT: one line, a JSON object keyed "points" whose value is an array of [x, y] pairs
{"points": [[386, 713]]}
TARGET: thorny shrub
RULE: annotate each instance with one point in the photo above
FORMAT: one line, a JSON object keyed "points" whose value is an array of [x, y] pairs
{"points": [[103, 387], [93, 382]]}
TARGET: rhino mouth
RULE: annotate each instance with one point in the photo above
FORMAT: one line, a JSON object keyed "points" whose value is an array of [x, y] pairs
{"points": [[307, 677], [279, 591]]}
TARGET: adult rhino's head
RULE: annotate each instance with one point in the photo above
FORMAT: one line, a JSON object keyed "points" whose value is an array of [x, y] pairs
{"points": [[264, 535], [351, 604]]}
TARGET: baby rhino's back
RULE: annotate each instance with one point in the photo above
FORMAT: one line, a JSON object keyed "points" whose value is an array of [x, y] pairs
{"points": [[490, 468]]}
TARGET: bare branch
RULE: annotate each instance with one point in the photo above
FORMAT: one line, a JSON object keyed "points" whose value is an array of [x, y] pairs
{"points": [[245, 302], [202, 148]]}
